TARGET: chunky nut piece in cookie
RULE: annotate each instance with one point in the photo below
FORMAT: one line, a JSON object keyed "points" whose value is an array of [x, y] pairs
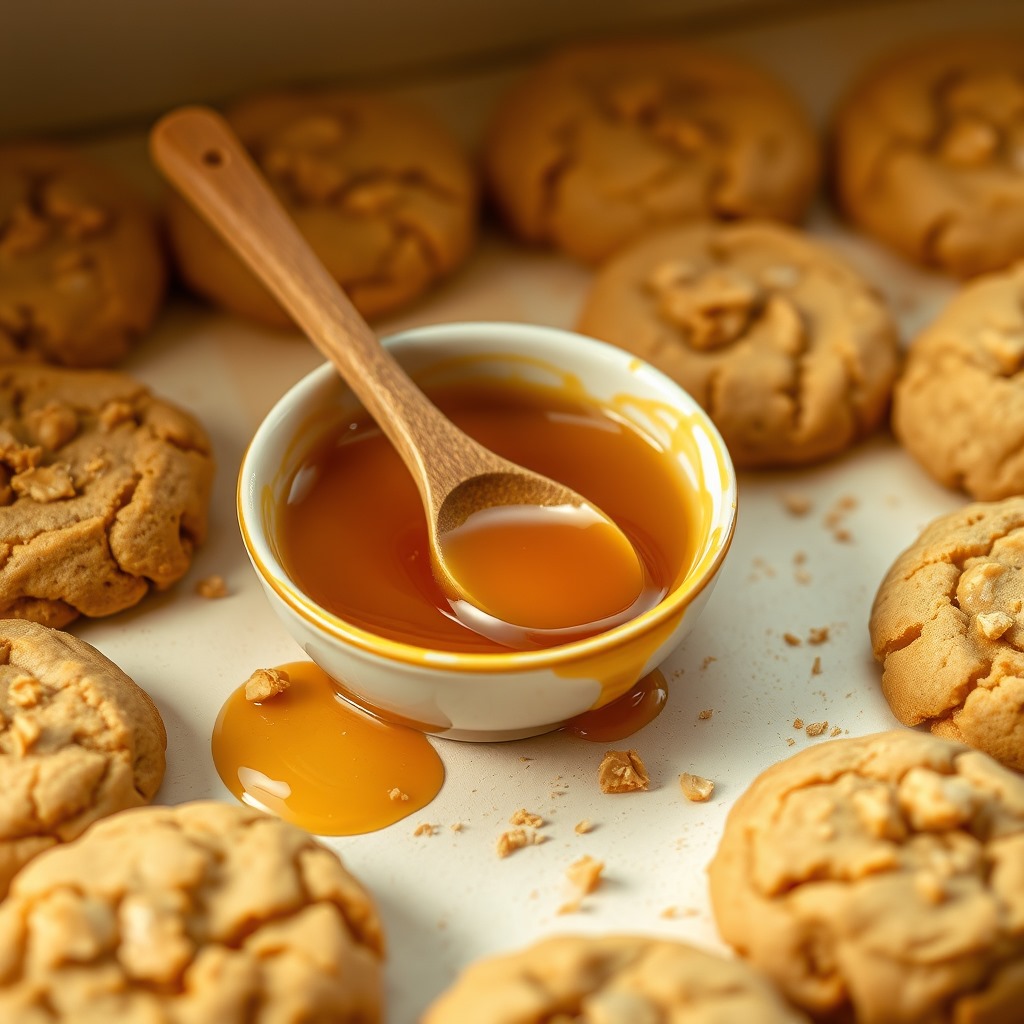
{"points": [[95, 509], [790, 352], [199, 913], [614, 979], [958, 407], [880, 878], [81, 268], [929, 153], [948, 627], [380, 190], [603, 142], [78, 741]]}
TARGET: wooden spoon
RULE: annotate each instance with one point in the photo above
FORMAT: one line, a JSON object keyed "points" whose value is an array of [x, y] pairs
{"points": [[461, 483]]}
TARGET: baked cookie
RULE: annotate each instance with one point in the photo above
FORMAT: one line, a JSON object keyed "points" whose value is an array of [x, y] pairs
{"points": [[880, 879], [605, 141], [929, 153], [958, 406], [103, 492], [790, 352], [82, 272], [194, 914], [78, 741], [615, 979], [948, 627], [380, 190]]}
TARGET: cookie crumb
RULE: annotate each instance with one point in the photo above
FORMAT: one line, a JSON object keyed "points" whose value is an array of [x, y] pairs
{"points": [[796, 504], [622, 771], [798, 723], [992, 625], [525, 758], [583, 827], [265, 683], [835, 731], [816, 728], [585, 874], [707, 661], [706, 714], [212, 587], [425, 829], [792, 639], [696, 788], [456, 826], [396, 795], [818, 636], [790, 742], [525, 817], [516, 838], [816, 667]]}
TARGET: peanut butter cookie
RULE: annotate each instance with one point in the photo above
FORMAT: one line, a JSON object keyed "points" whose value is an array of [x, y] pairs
{"points": [[604, 141], [380, 190], [958, 407], [194, 914], [103, 492], [791, 353], [78, 741], [881, 879], [82, 273], [929, 153], [948, 627], [614, 979]]}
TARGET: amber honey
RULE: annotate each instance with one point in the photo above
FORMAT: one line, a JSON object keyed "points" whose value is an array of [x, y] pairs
{"points": [[353, 534]]}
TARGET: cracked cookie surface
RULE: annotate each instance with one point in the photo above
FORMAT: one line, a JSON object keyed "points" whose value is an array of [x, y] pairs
{"points": [[958, 406], [948, 627], [78, 741], [603, 142], [82, 273], [615, 979], [191, 914], [881, 878], [380, 190], [929, 153], [792, 354], [103, 492]]}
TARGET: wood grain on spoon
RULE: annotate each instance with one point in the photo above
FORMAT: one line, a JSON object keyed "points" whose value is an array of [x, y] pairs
{"points": [[457, 478]]}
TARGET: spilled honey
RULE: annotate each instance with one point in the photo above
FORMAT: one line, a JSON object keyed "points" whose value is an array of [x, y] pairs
{"points": [[625, 715], [312, 759], [353, 537]]}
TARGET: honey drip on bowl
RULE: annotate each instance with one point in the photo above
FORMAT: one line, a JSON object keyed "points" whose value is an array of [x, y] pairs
{"points": [[624, 716], [311, 758]]}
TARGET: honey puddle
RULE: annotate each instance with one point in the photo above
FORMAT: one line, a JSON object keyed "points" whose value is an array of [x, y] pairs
{"points": [[312, 759], [628, 714]]}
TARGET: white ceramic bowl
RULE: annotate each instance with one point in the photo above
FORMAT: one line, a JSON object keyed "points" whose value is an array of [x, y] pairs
{"points": [[503, 695]]}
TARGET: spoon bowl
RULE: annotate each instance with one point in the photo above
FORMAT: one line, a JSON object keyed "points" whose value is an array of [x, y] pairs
{"points": [[460, 482]]}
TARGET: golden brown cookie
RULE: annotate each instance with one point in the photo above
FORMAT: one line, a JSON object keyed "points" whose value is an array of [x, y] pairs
{"points": [[78, 741], [614, 979], [194, 914], [791, 353], [958, 406], [948, 627], [929, 153], [881, 879], [103, 492], [604, 141], [82, 273], [380, 190]]}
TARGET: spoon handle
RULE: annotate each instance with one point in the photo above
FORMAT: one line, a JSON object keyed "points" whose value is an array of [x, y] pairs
{"points": [[199, 153]]}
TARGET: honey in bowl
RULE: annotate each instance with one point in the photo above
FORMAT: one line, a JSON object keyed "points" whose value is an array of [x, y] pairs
{"points": [[353, 537]]}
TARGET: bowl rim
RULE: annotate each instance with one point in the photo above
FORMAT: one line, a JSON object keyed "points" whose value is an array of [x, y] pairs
{"points": [[273, 574]]}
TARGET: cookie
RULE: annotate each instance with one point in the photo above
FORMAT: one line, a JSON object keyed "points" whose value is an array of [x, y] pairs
{"points": [[791, 353], [380, 190], [199, 913], [958, 406], [948, 627], [602, 142], [880, 879], [929, 153], [78, 741], [615, 979], [103, 492], [82, 272]]}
